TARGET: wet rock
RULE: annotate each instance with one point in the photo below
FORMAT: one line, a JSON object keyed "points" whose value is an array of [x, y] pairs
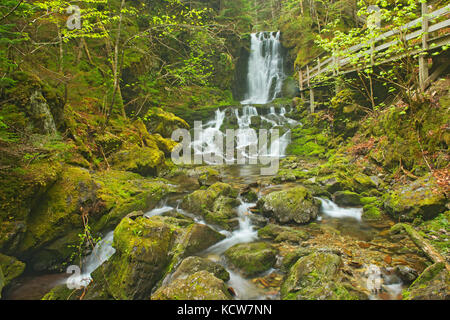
{"points": [[201, 285], [406, 274], [432, 284], [314, 277], [192, 265], [281, 233], [292, 257], [252, 258], [208, 177], [347, 199], [62, 292], [422, 198], [216, 205], [147, 249], [257, 220], [199, 238], [292, 205]]}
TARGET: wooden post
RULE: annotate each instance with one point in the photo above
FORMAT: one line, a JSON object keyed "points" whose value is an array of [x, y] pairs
{"points": [[311, 91], [423, 67], [300, 82]]}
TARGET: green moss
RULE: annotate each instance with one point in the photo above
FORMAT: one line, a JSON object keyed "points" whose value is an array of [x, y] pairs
{"points": [[11, 267], [252, 258], [371, 212], [281, 233]]}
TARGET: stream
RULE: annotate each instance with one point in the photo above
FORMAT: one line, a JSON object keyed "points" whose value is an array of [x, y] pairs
{"points": [[265, 77]]}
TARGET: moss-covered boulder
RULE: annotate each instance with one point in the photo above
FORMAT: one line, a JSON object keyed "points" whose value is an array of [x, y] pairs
{"points": [[347, 198], [192, 264], [159, 121], [208, 177], [215, 204], [422, 198], [146, 161], [11, 267], [314, 277], [201, 285], [200, 237], [281, 233], [59, 212], [122, 192], [294, 205], [432, 284], [252, 258], [2, 282], [62, 292], [371, 213], [146, 250]]}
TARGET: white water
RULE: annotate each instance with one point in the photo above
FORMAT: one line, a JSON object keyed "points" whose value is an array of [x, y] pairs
{"points": [[265, 68], [331, 209], [212, 140], [102, 251], [163, 208]]}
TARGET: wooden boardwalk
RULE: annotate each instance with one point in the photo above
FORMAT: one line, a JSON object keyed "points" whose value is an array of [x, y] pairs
{"points": [[322, 67]]}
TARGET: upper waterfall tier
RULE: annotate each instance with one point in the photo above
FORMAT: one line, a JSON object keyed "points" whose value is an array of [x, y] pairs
{"points": [[265, 68]]}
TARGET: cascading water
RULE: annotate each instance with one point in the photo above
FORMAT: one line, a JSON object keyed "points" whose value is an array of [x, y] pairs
{"points": [[265, 68]]}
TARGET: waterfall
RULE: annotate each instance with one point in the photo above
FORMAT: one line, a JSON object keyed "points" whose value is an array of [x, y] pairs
{"points": [[265, 68]]}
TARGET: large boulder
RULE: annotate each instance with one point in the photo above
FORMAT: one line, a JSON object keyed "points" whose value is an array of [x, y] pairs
{"points": [[201, 285], [215, 204], [146, 250], [432, 284], [422, 198], [315, 277], [192, 264], [295, 205], [252, 258]]}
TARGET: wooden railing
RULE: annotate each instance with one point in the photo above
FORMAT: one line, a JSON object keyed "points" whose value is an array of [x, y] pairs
{"points": [[324, 66]]}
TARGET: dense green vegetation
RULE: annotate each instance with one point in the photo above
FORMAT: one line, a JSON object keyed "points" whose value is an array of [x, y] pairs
{"points": [[86, 117]]}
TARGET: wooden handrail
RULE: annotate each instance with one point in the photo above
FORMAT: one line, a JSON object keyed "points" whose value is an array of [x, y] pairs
{"points": [[319, 65]]}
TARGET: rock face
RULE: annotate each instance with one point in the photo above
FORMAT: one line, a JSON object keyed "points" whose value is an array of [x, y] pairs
{"points": [[191, 265], [314, 277], [146, 250], [421, 198], [295, 205], [432, 284], [201, 285], [252, 258], [215, 204]]}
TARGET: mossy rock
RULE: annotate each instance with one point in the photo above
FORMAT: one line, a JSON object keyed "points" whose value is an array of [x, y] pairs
{"points": [[200, 237], [295, 205], [281, 233], [201, 285], [142, 255], [314, 277], [59, 212], [215, 204], [371, 213], [252, 258], [2, 281], [191, 265], [12, 268], [347, 198], [208, 177], [432, 284], [159, 121], [422, 198], [145, 161], [62, 292]]}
